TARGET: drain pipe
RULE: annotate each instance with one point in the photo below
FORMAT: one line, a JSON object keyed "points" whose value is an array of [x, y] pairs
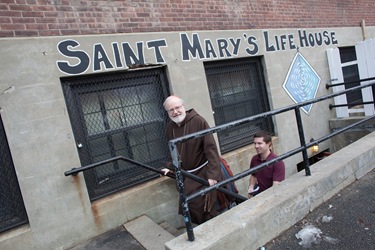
{"points": [[363, 26]]}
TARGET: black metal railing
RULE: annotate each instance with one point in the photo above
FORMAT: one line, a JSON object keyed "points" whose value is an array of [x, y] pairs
{"points": [[331, 106], [348, 83], [179, 173], [303, 148], [75, 171]]}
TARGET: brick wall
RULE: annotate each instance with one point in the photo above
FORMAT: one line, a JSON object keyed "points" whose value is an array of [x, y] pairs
{"points": [[32, 18]]}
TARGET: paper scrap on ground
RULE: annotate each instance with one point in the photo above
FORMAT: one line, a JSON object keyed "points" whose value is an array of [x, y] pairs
{"points": [[310, 234]]}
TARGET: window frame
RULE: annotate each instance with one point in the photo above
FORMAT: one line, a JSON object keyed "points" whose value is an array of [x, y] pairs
{"points": [[244, 94], [12, 207], [114, 141]]}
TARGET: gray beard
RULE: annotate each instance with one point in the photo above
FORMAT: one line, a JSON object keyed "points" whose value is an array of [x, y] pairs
{"points": [[179, 118]]}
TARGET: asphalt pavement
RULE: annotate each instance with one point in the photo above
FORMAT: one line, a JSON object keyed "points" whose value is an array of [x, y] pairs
{"points": [[346, 221], [118, 238]]}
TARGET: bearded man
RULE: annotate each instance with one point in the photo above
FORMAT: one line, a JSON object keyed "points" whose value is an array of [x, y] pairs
{"points": [[198, 156]]}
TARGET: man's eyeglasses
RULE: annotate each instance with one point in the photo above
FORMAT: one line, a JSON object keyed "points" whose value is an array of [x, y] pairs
{"points": [[175, 109]]}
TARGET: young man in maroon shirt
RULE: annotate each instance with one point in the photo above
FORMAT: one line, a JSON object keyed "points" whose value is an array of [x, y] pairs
{"points": [[272, 174]]}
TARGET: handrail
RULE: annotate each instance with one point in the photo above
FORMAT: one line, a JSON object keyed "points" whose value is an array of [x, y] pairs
{"points": [[349, 104], [172, 144], [277, 159], [75, 171], [348, 83]]}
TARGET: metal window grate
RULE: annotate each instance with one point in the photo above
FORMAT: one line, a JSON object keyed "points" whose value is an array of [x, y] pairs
{"points": [[12, 208], [237, 90], [118, 114]]}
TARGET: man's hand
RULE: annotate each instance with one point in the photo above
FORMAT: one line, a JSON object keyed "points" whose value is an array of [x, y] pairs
{"points": [[212, 182], [252, 191], [166, 171]]}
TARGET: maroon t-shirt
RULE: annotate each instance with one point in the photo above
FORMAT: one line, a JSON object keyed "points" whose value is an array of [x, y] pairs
{"points": [[266, 176]]}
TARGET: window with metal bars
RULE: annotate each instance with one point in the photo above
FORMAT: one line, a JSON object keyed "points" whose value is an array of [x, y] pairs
{"points": [[12, 208], [118, 114], [238, 90]]}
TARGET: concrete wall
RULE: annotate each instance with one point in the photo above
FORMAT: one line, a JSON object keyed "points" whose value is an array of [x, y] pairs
{"points": [[344, 139], [255, 222], [42, 143]]}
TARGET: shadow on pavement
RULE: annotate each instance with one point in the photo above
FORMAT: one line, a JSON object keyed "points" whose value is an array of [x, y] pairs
{"points": [[117, 238]]}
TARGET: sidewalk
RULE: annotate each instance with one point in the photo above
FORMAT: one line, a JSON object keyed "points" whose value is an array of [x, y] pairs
{"points": [[117, 238], [346, 221]]}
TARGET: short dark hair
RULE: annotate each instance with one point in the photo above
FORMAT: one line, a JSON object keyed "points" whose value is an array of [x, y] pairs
{"points": [[263, 134]]}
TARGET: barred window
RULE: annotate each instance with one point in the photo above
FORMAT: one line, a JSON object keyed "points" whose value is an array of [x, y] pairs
{"points": [[238, 90], [118, 114], [12, 208]]}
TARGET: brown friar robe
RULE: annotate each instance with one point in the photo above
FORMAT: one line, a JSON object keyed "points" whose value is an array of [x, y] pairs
{"points": [[193, 153]]}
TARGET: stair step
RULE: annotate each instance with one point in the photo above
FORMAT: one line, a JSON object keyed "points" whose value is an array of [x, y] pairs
{"points": [[171, 229], [149, 234]]}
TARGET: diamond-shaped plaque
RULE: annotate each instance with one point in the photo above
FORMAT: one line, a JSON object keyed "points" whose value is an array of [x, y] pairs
{"points": [[301, 82]]}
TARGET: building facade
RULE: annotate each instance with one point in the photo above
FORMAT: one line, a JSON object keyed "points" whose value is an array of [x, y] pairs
{"points": [[83, 82]]}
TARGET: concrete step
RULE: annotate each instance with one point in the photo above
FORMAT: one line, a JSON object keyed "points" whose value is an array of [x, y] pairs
{"points": [[149, 234], [172, 230]]}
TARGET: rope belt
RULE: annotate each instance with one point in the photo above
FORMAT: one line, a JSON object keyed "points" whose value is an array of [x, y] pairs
{"points": [[196, 169]]}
